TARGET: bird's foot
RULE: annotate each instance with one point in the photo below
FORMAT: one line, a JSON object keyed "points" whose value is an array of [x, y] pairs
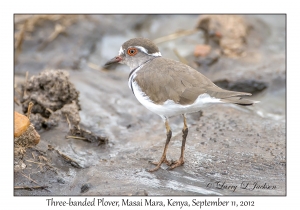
{"points": [[158, 164], [176, 164], [164, 161]]}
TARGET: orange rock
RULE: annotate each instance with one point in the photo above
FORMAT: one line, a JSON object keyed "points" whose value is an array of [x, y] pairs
{"points": [[202, 50], [21, 124]]}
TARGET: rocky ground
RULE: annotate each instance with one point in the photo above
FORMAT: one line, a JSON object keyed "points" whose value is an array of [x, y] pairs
{"points": [[230, 150]]}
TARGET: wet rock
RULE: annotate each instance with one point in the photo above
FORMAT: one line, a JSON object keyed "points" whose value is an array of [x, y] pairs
{"points": [[249, 86], [229, 32], [53, 95], [66, 41], [210, 59], [250, 77], [45, 33]]}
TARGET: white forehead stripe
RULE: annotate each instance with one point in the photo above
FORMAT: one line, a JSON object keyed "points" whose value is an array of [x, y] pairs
{"points": [[121, 51], [157, 54]]}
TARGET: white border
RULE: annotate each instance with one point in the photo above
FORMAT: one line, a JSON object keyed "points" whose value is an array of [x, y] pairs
{"points": [[236, 6]]}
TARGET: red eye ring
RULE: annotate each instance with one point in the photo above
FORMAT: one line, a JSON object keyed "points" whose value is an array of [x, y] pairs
{"points": [[132, 51]]}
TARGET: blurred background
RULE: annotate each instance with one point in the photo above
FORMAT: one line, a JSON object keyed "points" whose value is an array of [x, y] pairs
{"points": [[225, 143]]}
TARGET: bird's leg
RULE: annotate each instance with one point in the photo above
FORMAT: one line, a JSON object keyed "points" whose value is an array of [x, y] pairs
{"points": [[184, 135], [164, 155]]}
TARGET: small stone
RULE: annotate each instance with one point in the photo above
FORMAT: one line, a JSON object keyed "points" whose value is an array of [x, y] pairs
{"points": [[61, 180], [23, 165], [202, 50], [85, 188], [145, 193], [224, 172], [21, 124]]}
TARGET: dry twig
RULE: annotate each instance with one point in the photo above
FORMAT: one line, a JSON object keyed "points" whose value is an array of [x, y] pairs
{"points": [[69, 160], [96, 67], [31, 188], [175, 35], [30, 179], [16, 101], [26, 82], [44, 165], [70, 126], [19, 39], [76, 137], [30, 105], [49, 110]]}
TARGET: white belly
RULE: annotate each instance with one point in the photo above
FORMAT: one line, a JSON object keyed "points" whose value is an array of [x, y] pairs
{"points": [[170, 108]]}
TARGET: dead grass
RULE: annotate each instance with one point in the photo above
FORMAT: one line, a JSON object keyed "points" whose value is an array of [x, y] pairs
{"points": [[19, 150]]}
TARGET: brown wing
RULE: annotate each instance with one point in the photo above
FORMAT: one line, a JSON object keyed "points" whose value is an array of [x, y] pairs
{"points": [[163, 79]]}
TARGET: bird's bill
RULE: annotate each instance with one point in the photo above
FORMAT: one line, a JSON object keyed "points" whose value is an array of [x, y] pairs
{"points": [[116, 59]]}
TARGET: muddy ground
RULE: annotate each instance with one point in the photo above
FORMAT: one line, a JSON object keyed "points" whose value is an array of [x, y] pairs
{"points": [[230, 150]]}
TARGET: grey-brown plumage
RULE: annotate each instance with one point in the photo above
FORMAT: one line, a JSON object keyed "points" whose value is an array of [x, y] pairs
{"points": [[146, 43], [165, 79], [169, 88]]}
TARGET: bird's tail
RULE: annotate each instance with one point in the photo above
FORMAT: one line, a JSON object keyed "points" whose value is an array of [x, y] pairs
{"points": [[239, 100]]}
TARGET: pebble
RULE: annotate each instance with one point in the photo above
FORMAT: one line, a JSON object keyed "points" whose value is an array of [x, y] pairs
{"points": [[85, 188], [21, 124], [202, 50]]}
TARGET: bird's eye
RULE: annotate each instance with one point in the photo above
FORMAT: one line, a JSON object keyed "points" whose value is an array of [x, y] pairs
{"points": [[132, 51]]}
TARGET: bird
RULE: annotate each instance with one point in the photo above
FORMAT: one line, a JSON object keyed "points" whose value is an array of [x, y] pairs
{"points": [[169, 88]]}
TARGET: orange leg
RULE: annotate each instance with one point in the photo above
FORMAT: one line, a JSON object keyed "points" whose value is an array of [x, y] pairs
{"points": [[163, 158], [184, 135]]}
